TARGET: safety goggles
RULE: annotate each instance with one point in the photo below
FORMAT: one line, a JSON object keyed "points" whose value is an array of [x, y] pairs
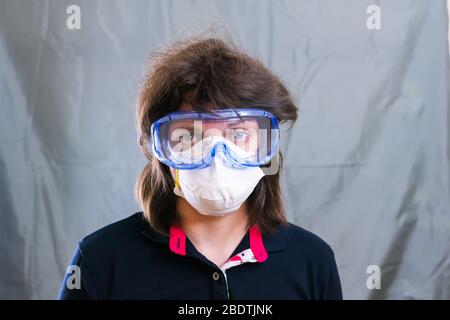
{"points": [[191, 140]]}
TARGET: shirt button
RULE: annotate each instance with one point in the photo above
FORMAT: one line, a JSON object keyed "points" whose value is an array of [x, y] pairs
{"points": [[216, 276]]}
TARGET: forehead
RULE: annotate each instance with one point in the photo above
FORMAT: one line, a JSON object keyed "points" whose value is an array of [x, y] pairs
{"points": [[185, 107]]}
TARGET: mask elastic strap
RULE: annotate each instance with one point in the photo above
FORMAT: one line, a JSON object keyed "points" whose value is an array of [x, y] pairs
{"points": [[177, 183]]}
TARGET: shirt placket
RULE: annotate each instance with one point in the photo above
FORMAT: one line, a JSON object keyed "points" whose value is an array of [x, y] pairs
{"points": [[244, 256]]}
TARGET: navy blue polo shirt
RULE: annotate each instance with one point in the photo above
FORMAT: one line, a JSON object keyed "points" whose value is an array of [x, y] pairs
{"points": [[129, 260]]}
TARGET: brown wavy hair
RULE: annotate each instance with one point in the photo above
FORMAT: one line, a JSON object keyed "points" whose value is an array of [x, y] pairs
{"points": [[206, 72]]}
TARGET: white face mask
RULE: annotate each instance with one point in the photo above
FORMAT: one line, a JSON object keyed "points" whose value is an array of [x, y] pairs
{"points": [[217, 189]]}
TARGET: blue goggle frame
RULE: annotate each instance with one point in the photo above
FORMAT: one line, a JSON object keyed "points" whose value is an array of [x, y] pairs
{"points": [[231, 158]]}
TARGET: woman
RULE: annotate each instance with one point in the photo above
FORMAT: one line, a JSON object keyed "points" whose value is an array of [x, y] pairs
{"points": [[212, 224]]}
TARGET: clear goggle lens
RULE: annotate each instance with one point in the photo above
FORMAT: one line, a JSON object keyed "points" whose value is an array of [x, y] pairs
{"points": [[188, 143]]}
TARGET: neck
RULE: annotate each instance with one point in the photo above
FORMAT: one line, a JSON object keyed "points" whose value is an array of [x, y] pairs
{"points": [[207, 231]]}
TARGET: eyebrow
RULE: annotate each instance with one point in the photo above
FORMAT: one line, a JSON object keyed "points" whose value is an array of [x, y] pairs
{"points": [[182, 126], [232, 124]]}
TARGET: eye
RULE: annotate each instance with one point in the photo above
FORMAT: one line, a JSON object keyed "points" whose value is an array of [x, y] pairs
{"points": [[240, 135], [183, 136], [186, 138]]}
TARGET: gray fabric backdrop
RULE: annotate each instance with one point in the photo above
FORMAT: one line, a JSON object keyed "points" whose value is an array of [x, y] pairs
{"points": [[367, 163]]}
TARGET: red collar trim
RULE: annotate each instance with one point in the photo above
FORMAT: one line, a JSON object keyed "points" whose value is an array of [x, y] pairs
{"points": [[177, 242]]}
